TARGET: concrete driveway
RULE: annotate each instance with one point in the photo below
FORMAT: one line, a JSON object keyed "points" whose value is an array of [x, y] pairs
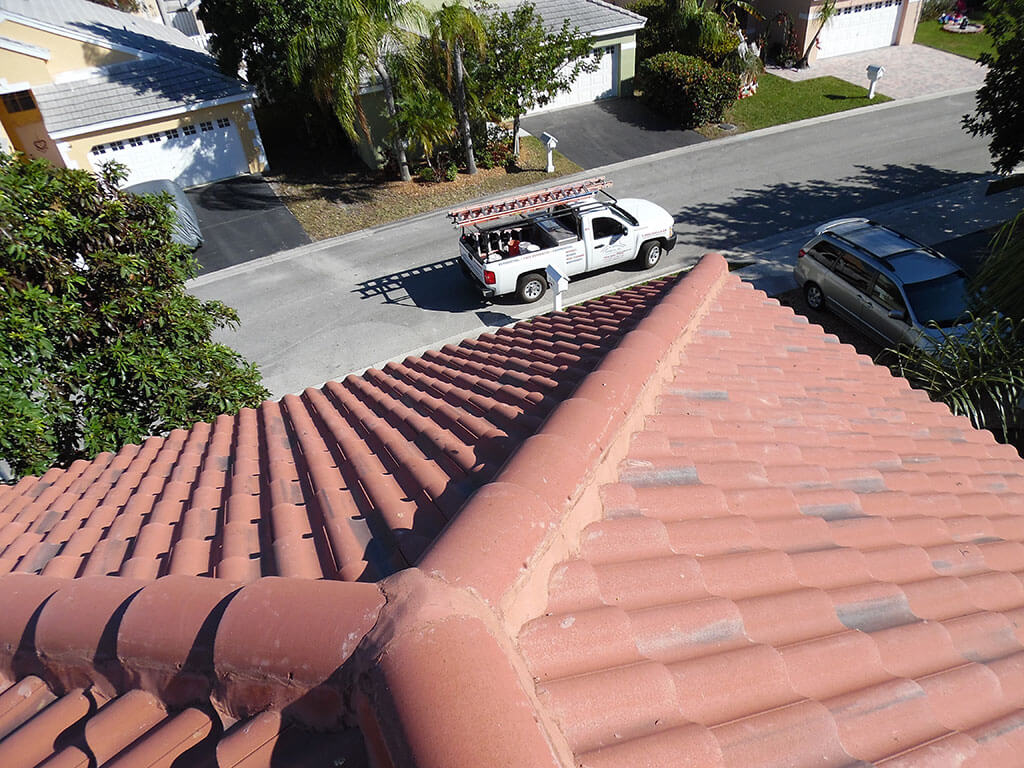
{"points": [[241, 220], [610, 131]]}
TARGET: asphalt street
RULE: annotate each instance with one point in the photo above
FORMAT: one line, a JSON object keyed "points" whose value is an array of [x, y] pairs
{"points": [[336, 307]]}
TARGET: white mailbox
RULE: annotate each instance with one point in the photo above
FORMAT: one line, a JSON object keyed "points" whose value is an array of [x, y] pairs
{"points": [[558, 283], [875, 73], [550, 142]]}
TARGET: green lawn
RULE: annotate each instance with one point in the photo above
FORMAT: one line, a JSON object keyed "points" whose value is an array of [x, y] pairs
{"points": [[780, 101], [972, 46]]}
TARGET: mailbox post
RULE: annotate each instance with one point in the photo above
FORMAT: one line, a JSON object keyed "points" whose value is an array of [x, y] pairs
{"points": [[874, 75], [558, 283], [550, 142]]}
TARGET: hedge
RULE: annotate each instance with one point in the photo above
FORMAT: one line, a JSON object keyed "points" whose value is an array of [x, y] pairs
{"points": [[687, 89]]}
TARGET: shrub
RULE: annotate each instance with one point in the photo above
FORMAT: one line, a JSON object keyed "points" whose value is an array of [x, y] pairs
{"points": [[687, 89], [451, 172], [932, 9], [427, 174], [978, 373]]}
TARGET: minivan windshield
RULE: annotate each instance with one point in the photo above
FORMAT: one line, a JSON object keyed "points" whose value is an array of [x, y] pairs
{"points": [[942, 300]]}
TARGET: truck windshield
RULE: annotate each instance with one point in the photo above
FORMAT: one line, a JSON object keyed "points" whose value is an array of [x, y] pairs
{"points": [[626, 215], [942, 301]]}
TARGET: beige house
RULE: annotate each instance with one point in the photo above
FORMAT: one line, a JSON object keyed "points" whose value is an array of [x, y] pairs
{"points": [[856, 26], [613, 30], [82, 84]]}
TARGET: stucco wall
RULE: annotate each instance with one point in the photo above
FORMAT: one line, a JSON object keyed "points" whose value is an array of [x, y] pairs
{"points": [[22, 68], [76, 150], [65, 54]]}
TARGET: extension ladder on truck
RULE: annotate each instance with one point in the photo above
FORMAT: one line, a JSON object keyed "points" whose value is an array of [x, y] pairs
{"points": [[525, 203]]}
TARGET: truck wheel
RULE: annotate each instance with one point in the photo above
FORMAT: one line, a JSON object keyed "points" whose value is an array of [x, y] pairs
{"points": [[531, 287], [650, 254]]}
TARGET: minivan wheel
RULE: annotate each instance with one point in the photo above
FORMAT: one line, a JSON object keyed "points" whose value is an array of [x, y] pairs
{"points": [[815, 298], [650, 254], [531, 287]]}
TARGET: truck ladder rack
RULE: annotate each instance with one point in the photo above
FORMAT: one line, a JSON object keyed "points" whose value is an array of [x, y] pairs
{"points": [[525, 203]]}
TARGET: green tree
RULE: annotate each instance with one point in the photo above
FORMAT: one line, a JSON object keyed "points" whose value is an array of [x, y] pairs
{"points": [[454, 28], [1000, 101], [344, 38], [253, 36], [526, 66], [102, 344]]}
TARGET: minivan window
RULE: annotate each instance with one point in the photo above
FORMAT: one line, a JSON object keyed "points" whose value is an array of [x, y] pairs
{"points": [[885, 292], [942, 300], [825, 253], [854, 271]]}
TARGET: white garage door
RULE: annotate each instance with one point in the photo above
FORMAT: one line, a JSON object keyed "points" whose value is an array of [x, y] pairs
{"points": [[190, 155], [590, 86], [860, 28]]}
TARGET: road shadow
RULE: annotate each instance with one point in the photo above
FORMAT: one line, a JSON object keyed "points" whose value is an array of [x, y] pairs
{"points": [[753, 214], [439, 287]]}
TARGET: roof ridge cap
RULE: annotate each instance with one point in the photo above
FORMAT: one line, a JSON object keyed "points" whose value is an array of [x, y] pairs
{"points": [[546, 485], [624, 11]]}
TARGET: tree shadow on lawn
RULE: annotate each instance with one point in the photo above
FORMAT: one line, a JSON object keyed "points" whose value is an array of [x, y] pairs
{"points": [[753, 214]]}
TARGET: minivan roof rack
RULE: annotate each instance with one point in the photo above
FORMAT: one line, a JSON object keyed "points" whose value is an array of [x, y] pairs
{"points": [[527, 202]]}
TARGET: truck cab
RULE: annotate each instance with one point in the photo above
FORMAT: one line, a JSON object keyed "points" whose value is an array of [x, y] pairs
{"points": [[506, 245]]}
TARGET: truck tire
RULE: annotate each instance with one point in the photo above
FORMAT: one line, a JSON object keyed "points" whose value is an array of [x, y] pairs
{"points": [[531, 287], [650, 254]]}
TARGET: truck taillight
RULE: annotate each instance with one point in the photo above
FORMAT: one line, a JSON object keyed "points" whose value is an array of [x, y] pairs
{"points": [[488, 277], [801, 254]]}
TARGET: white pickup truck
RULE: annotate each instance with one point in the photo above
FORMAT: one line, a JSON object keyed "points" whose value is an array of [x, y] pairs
{"points": [[506, 245]]}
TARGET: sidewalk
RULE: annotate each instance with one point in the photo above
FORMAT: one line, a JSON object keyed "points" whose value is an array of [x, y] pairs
{"points": [[910, 70], [931, 218]]}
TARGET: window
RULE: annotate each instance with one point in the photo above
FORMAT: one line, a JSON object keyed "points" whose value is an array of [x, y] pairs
{"points": [[19, 101], [605, 226], [188, 130], [99, 149], [116, 144], [854, 271], [206, 126], [223, 122], [887, 294], [171, 134], [825, 253], [135, 141], [153, 138]]}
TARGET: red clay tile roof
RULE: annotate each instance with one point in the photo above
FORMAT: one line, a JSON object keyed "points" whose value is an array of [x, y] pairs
{"points": [[351, 481], [732, 542]]}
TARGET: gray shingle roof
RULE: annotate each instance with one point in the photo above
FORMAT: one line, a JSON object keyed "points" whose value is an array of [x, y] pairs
{"points": [[128, 89], [593, 17], [108, 25]]}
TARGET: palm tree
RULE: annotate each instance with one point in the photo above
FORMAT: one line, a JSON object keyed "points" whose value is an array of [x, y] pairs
{"points": [[825, 13], [343, 42], [426, 119], [453, 28]]}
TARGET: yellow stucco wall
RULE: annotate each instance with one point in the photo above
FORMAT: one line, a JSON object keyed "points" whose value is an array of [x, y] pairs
{"points": [[65, 54], [21, 68], [77, 149]]}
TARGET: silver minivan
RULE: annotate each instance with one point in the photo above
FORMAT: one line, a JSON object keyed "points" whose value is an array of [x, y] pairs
{"points": [[889, 285]]}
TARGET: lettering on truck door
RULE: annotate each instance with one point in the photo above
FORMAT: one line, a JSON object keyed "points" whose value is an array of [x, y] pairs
{"points": [[609, 240]]}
